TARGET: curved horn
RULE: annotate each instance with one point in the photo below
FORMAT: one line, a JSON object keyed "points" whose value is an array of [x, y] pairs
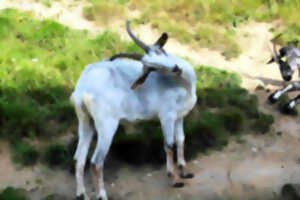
{"points": [[135, 39], [274, 49], [274, 53], [133, 56], [162, 40]]}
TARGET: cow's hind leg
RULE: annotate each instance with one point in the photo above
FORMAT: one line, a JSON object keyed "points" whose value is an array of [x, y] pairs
{"points": [[179, 137], [106, 129], [85, 133]]}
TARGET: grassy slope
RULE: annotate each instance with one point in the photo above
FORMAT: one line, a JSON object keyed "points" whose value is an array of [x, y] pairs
{"points": [[202, 23], [41, 61]]}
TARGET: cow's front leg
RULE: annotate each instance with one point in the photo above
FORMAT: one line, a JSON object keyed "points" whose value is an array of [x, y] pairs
{"points": [[273, 98], [287, 108], [168, 124]]}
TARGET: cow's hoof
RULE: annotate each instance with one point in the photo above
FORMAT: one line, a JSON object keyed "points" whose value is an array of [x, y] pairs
{"points": [[271, 98], [178, 185], [187, 176], [287, 108], [81, 197]]}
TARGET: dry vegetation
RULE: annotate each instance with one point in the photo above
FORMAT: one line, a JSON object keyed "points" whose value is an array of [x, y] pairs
{"points": [[200, 23]]}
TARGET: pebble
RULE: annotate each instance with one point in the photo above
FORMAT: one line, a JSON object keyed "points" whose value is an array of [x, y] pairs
{"points": [[254, 149]]}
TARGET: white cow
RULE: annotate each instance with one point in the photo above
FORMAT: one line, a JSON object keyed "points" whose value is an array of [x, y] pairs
{"points": [[156, 85]]}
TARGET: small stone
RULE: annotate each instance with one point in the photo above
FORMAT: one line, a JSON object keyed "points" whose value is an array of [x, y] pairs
{"points": [[195, 161], [254, 149]]}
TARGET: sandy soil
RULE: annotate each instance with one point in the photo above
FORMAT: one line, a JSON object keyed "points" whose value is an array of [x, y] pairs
{"points": [[257, 167]]}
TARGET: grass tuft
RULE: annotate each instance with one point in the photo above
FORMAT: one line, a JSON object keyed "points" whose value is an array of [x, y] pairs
{"points": [[58, 155], [233, 119], [23, 153], [104, 11], [46, 3], [88, 13], [11, 193], [263, 123]]}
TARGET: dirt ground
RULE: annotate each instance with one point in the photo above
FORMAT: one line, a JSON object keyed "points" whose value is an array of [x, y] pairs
{"points": [[257, 167]]}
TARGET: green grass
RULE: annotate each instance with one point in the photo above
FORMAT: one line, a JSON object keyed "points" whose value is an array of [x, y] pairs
{"points": [[262, 123], [233, 119], [104, 11], [46, 3], [184, 20], [218, 39], [40, 62], [58, 155], [88, 13], [23, 153], [55, 196], [54, 154], [286, 11], [201, 23], [11, 193], [219, 88]]}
